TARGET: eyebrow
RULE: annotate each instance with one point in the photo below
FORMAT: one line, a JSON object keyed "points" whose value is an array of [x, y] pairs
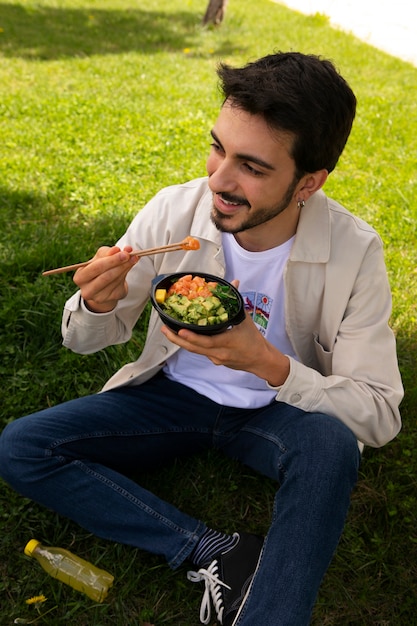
{"points": [[246, 157]]}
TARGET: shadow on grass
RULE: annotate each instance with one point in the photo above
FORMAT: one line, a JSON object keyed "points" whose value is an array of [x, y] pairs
{"points": [[40, 231], [47, 33]]}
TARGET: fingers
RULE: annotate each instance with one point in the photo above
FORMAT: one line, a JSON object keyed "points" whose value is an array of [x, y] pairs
{"points": [[103, 282], [215, 347], [233, 348]]}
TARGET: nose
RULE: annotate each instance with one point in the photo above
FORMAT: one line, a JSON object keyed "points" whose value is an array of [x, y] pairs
{"points": [[221, 175]]}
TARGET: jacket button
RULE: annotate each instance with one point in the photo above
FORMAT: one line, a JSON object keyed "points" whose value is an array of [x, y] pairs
{"points": [[296, 397]]}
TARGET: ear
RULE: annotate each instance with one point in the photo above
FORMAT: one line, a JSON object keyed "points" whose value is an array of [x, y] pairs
{"points": [[310, 183]]}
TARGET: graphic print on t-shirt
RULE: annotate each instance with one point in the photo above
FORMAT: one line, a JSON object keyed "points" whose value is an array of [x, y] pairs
{"points": [[259, 307]]}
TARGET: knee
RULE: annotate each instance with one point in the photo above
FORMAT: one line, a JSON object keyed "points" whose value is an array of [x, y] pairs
{"points": [[16, 445], [329, 443]]}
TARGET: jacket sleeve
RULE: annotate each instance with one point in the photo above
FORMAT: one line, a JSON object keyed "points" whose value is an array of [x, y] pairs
{"points": [[356, 376], [85, 332]]}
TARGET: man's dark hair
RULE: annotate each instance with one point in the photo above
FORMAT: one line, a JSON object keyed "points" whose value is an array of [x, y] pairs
{"points": [[297, 93]]}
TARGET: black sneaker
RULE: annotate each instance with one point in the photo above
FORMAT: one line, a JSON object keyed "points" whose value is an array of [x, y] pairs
{"points": [[228, 579]]}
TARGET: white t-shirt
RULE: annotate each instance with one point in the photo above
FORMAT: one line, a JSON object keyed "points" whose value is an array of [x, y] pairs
{"points": [[262, 288]]}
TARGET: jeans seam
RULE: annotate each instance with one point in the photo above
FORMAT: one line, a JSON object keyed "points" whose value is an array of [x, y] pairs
{"points": [[261, 433], [275, 440], [193, 537], [125, 494]]}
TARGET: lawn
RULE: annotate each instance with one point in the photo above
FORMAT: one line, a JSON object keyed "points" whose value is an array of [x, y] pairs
{"points": [[102, 103]]}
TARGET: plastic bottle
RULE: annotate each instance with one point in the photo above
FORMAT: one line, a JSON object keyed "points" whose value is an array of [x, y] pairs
{"points": [[71, 569]]}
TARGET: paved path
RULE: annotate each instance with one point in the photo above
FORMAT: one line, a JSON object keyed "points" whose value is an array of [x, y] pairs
{"points": [[390, 25]]}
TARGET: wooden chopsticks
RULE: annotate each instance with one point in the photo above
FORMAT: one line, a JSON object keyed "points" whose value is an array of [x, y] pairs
{"points": [[189, 243]]}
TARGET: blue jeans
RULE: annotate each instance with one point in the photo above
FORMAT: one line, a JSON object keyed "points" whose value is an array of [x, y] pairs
{"points": [[76, 458]]}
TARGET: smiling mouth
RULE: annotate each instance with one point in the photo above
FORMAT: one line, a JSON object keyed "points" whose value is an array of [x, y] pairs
{"points": [[226, 203]]}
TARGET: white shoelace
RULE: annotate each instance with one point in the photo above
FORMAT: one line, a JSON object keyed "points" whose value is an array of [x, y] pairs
{"points": [[212, 590]]}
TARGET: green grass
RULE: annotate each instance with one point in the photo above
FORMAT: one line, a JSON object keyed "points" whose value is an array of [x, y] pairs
{"points": [[102, 104]]}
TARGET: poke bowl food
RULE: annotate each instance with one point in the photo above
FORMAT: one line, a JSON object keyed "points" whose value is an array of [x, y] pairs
{"points": [[203, 303]]}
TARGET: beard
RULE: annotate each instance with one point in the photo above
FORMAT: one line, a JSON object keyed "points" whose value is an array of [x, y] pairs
{"points": [[260, 216]]}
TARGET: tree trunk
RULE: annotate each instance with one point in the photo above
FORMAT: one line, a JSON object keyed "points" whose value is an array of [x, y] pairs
{"points": [[215, 12]]}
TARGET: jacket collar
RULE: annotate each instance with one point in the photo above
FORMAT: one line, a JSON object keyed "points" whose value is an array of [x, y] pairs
{"points": [[312, 239]]}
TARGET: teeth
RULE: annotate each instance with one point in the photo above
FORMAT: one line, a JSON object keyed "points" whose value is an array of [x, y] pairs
{"points": [[228, 202]]}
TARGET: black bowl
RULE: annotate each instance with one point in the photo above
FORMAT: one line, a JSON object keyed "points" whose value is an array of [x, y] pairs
{"points": [[164, 281]]}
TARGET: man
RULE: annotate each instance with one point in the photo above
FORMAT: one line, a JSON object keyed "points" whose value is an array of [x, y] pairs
{"points": [[295, 398]]}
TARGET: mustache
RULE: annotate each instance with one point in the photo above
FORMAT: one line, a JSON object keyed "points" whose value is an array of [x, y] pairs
{"points": [[228, 197]]}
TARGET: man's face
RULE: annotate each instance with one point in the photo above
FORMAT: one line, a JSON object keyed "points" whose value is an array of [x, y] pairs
{"points": [[251, 172]]}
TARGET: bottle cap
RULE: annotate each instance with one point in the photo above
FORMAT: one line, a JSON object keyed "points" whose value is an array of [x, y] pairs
{"points": [[30, 546]]}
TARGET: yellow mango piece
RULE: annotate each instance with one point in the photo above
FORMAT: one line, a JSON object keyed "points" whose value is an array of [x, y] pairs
{"points": [[160, 295]]}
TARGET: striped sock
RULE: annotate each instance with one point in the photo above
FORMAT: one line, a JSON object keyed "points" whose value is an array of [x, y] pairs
{"points": [[210, 544]]}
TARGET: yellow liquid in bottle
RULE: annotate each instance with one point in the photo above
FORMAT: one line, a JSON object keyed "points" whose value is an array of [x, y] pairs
{"points": [[73, 571]]}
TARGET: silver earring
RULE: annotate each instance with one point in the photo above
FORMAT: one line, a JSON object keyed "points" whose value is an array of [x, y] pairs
{"points": [[300, 204]]}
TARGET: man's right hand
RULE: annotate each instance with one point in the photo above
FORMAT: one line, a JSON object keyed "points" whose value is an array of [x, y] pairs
{"points": [[103, 282]]}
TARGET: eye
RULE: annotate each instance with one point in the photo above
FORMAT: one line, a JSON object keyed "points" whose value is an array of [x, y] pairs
{"points": [[252, 170], [216, 147]]}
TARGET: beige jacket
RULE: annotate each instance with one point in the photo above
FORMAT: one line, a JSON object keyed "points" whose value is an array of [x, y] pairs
{"points": [[338, 305]]}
